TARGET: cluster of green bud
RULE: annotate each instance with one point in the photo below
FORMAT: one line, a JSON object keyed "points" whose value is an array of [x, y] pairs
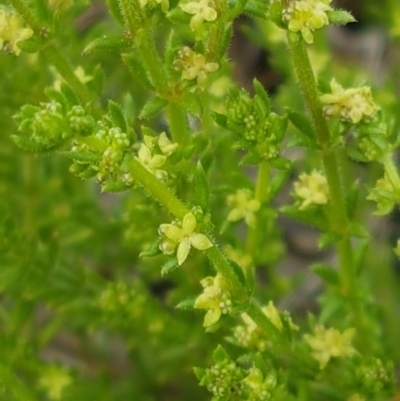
{"points": [[103, 155], [180, 236], [374, 379], [80, 122], [46, 125], [215, 299], [258, 130], [12, 30], [229, 381], [194, 66], [385, 195]]}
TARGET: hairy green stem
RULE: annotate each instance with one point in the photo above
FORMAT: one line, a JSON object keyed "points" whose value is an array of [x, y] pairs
{"points": [[178, 123], [339, 221], [261, 194]]}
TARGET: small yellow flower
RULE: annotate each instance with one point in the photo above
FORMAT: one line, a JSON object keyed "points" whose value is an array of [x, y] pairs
{"points": [[312, 189], [201, 10], [330, 343], [243, 206], [353, 104], [305, 16], [215, 298], [151, 162], [12, 31], [194, 66], [183, 237]]}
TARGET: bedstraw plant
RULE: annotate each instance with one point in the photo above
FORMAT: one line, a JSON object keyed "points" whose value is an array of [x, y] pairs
{"points": [[142, 197]]}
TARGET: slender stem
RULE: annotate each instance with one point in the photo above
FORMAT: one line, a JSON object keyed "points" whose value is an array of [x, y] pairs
{"points": [[261, 194], [178, 123], [339, 220], [158, 190]]}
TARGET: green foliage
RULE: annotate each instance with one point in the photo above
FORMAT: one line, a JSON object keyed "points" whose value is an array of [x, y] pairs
{"points": [[162, 252]]}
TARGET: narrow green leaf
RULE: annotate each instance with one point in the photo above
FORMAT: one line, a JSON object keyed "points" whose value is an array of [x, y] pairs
{"points": [[169, 266], [117, 115], [326, 272], [137, 69], [152, 107], [302, 123], [201, 190], [108, 43], [152, 250]]}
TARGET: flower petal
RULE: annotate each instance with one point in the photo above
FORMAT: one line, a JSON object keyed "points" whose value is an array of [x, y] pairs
{"points": [[212, 317], [200, 242], [172, 232], [189, 223], [183, 251]]}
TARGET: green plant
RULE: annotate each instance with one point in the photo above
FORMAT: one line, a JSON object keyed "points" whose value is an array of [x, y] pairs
{"points": [[190, 167]]}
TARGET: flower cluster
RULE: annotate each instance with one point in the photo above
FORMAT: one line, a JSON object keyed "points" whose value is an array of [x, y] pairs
{"points": [[194, 66], [305, 16], [153, 154], [215, 298], [179, 237], [351, 105], [202, 10], [46, 124], [12, 31], [330, 343], [243, 206], [311, 189]]}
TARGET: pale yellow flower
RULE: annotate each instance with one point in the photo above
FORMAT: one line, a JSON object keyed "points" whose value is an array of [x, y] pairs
{"points": [[353, 104], [151, 162], [243, 206], [330, 343], [312, 189], [215, 298], [201, 10], [305, 16], [183, 237], [12, 31]]}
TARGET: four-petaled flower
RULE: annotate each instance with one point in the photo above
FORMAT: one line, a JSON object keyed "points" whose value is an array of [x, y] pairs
{"points": [[329, 343], [201, 10], [353, 104], [12, 30], [183, 237], [307, 15], [243, 206], [312, 189], [151, 162], [194, 65], [215, 298]]}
